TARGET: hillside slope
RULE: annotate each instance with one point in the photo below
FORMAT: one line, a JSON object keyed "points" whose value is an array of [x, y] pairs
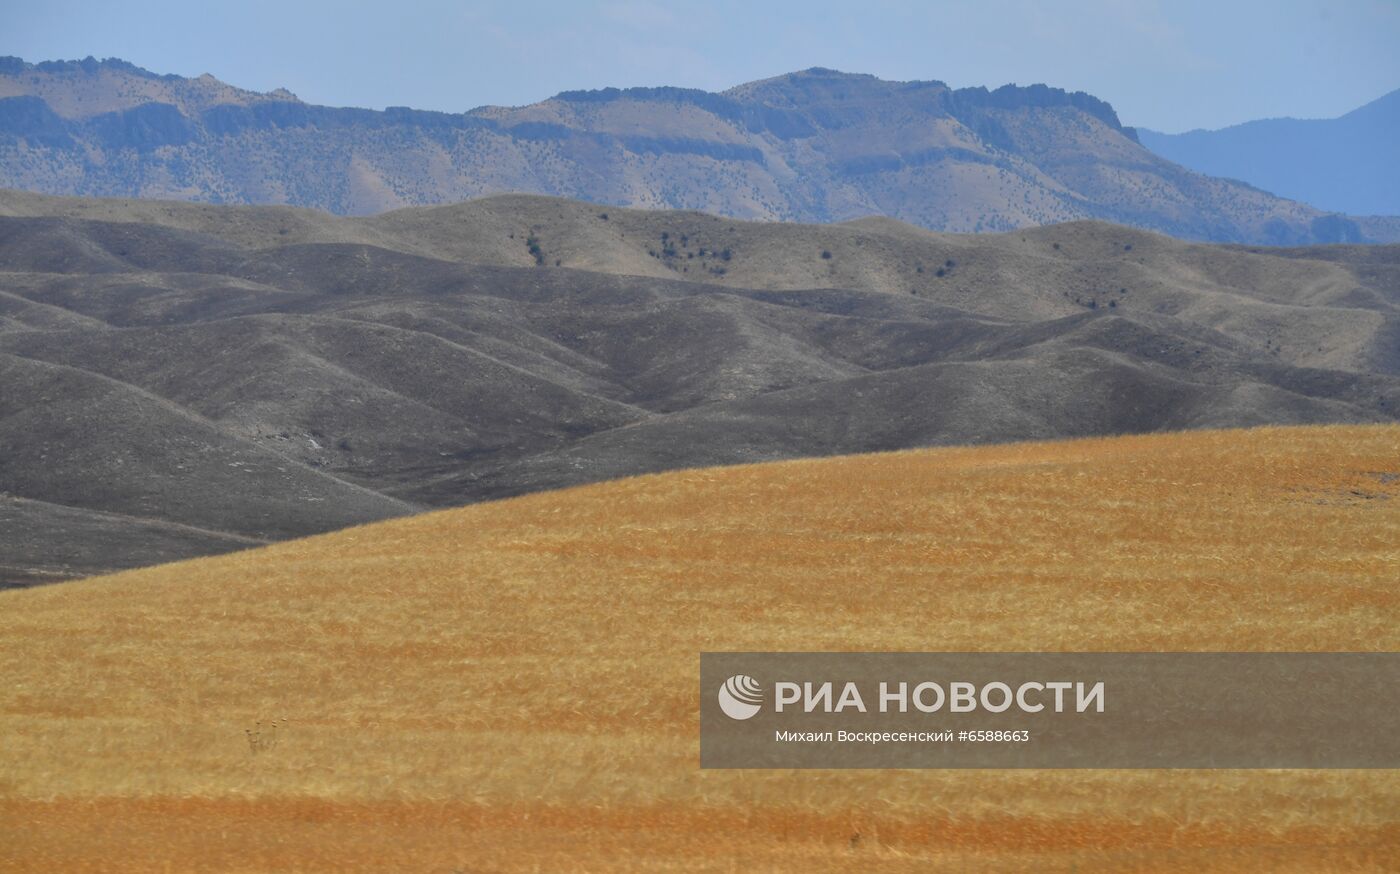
{"points": [[511, 686], [812, 146], [1347, 164], [254, 374]]}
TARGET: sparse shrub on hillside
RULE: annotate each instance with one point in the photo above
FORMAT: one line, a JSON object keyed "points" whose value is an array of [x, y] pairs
{"points": [[725, 255], [532, 244], [603, 216], [826, 254], [940, 272], [263, 738]]}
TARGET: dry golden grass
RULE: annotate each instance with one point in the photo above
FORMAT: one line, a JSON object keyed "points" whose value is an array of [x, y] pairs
{"points": [[511, 687]]}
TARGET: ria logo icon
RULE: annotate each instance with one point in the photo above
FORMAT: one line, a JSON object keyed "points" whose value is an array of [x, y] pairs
{"points": [[740, 697]]}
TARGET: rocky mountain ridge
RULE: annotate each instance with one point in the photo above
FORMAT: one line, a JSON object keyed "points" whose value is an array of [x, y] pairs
{"points": [[814, 146]]}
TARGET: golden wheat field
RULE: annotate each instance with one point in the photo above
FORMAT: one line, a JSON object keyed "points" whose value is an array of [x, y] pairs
{"points": [[511, 687]]}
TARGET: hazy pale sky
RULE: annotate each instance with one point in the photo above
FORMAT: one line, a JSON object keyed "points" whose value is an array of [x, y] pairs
{"points": [[1171, 65]]}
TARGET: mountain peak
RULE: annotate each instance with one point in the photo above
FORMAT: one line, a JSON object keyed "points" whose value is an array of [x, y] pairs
{"points": [[819, 84], [828, 73], [91, 88], [13, 66], [1386, 106]]}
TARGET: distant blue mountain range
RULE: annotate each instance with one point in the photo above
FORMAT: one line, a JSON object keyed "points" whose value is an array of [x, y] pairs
{"points": [[1349, 164]]}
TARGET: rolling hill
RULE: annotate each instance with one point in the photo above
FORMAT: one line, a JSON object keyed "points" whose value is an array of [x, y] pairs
{"points": [[813, 146], [511, 686], [183, 379], [1346, 164]]}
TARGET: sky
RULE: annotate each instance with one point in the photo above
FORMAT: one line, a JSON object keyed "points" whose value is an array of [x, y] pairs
{"points": [[1170, 66]]}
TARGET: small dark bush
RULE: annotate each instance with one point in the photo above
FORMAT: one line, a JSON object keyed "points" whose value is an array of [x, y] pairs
{"points": [[826, 255]]}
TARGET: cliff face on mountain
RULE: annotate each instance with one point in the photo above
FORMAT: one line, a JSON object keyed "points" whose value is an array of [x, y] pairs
{"points": [[814, 146]]}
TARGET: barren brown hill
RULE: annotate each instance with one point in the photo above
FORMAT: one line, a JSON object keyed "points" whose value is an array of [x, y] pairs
{"points": [[512, 686], [247, 374], [813, 146]]}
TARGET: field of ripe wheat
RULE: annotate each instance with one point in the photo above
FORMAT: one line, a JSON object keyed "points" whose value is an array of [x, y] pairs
{"points": [[512, 686]]}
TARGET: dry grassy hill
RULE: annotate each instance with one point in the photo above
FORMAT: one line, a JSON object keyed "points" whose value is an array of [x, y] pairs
{"points": [[511, 686], [1037, 273], [184, 379]]}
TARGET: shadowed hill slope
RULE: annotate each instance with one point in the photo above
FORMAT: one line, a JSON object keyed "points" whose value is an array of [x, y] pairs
{"points": [[813, 146], [512, 686], [251, 374]]}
